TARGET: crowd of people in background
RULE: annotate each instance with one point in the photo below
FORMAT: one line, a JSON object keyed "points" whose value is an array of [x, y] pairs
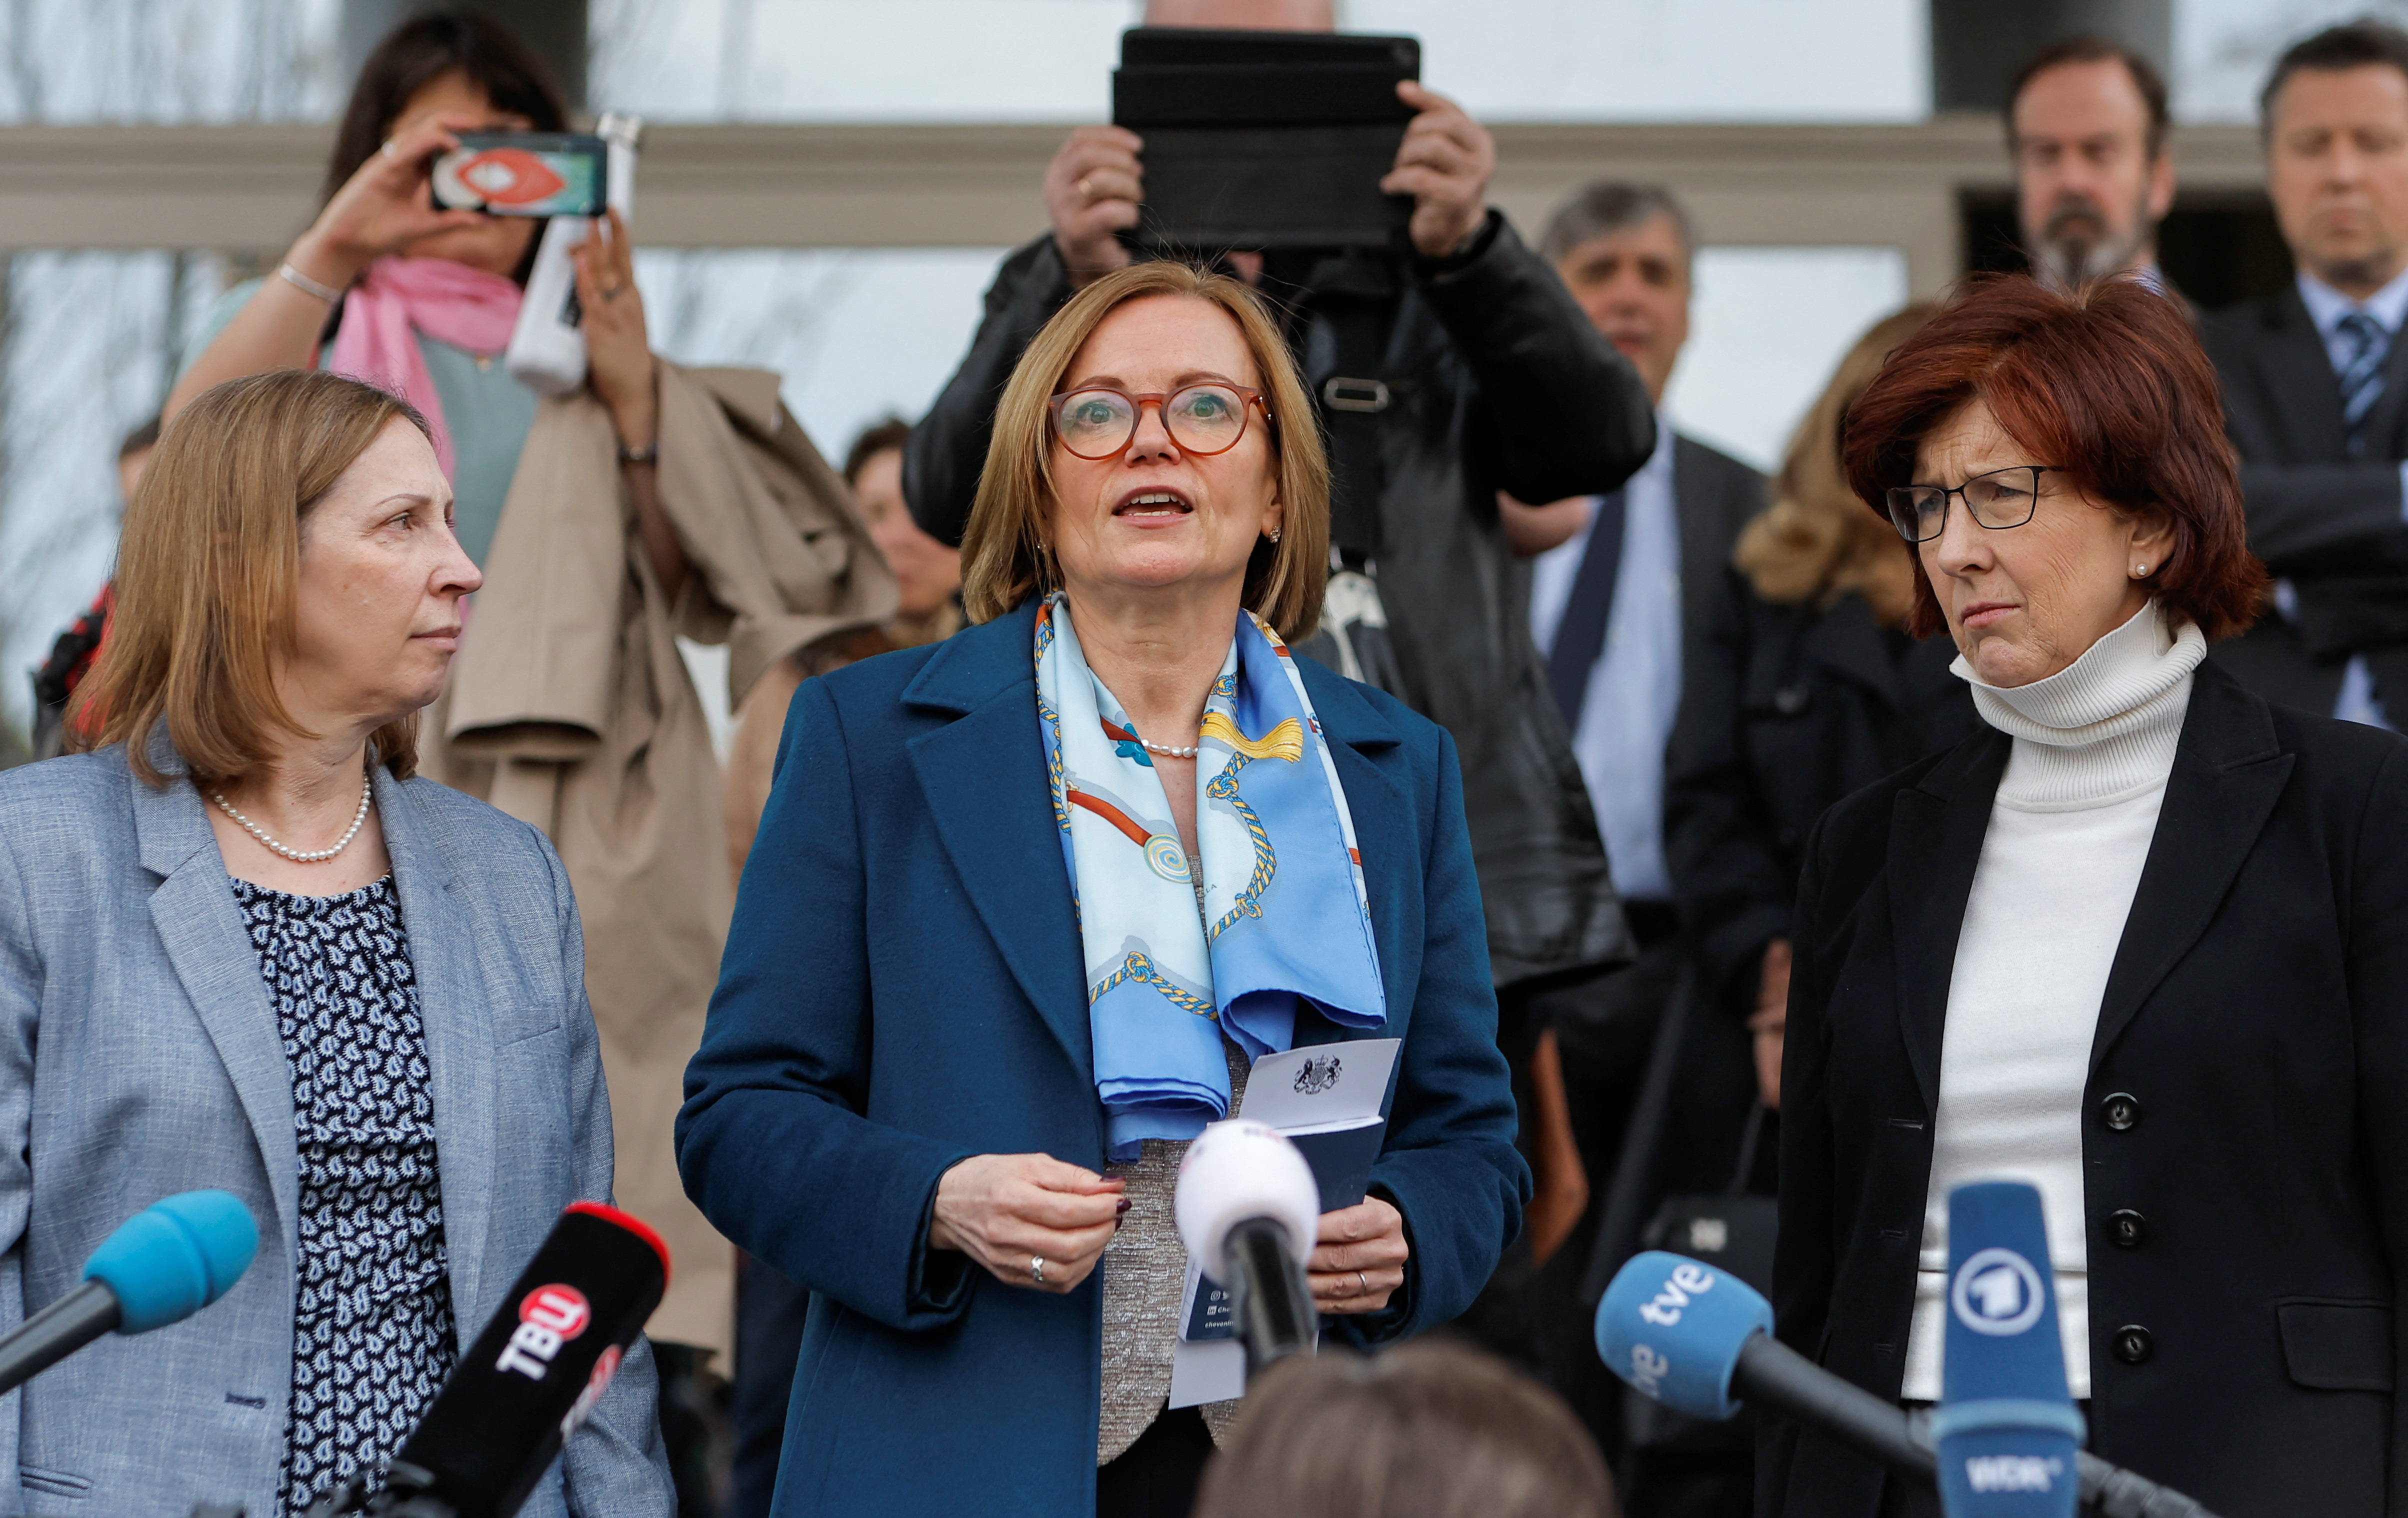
{"points": [[1741, 860]]}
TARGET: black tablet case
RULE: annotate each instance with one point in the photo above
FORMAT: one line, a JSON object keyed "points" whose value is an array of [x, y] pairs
{"points": [[1265, 139]]}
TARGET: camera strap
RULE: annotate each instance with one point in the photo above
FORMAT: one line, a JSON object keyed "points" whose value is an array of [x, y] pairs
{"points": [[1355, 306]]}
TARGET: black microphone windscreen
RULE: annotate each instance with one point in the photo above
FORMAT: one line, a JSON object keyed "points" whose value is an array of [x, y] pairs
{"points": [[538, 1368]]}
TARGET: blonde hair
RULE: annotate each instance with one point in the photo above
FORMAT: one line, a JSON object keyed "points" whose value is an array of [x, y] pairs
{"points": [[1005, 555], [207, 569], [1817, 542]]}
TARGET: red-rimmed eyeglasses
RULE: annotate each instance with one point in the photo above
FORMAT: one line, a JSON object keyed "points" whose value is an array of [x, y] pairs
{"points": [[1100, 421]]}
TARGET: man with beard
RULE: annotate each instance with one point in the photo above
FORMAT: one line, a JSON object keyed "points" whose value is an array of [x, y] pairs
{"points": [[2086, 128], [2316, 389]]}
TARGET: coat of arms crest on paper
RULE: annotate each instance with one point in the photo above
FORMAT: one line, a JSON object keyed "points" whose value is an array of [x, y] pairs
{"points": [[1317, 1075]]}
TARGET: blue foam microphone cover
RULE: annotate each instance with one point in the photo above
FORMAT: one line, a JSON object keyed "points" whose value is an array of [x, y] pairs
{"points": [[175, 1257], [1673, 1328], [2007, 1429]]}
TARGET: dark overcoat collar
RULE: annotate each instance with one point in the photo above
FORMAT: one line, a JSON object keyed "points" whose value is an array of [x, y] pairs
{"points": [[2228, 770], [201, 924], [984, 776]]}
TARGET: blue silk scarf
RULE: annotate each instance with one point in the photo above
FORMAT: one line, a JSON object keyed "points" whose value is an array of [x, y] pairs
{"points": [[1285, 916]]}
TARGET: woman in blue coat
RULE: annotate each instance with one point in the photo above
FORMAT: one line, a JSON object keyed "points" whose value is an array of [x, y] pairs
{"points": [[1025, 905]]}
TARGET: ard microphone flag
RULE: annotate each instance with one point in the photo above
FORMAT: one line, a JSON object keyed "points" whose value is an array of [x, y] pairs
{"points": [[2007, 1430], [538, 1369]]}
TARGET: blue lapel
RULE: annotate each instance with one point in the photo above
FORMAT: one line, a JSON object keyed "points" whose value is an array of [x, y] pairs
{"points": [[195, 911], [448, 950], [1363, 743], [983, 775]]}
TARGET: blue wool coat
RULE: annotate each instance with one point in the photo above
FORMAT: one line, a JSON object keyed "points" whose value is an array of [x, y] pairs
{"points": [[903, 989]]}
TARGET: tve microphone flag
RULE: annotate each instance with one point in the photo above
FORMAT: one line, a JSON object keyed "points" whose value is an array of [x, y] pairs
{"points": [[1673, 1328], [535, 1372], [2008, 1433]]}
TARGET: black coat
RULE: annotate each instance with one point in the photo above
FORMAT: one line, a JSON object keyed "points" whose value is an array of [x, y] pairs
{"points": [[2329, 523], [1505, 386], [1784, 711], [2248, 1096]]}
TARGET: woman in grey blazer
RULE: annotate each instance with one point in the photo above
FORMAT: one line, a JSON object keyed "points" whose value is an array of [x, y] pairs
{"points": [[241, 947]]}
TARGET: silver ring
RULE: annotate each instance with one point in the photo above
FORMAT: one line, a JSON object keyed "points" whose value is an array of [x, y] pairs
{"points": [[1362, 1283], [1037, 1269]]}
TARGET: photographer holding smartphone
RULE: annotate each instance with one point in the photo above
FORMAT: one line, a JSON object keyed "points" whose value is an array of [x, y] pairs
{"points": [[1465, 369]]}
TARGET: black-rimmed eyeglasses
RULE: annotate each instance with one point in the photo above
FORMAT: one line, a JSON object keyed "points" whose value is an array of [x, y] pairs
{"points": [[1998, 500]]}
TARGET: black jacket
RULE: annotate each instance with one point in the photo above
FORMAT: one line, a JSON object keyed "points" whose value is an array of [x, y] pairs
{"points": [[2327, 522], [1784, 711], [2245, 1098], [1499, 382]]}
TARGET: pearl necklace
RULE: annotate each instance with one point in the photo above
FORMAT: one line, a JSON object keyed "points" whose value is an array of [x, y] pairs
{"points": [[1166, 750], [367, 791]]}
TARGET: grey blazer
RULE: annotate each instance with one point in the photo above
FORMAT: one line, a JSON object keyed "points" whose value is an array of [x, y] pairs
{"points": [[139, 1056]]}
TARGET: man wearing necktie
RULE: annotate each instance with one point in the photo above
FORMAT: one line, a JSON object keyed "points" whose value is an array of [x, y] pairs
{"points": [[1619, 584], [2315, 384]]}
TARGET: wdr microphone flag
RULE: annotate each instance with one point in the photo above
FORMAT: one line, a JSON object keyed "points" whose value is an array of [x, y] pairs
{"points": [[2007, 1430]]}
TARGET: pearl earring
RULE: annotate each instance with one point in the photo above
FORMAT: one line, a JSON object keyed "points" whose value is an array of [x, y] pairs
{"points": [[2140, 571]]}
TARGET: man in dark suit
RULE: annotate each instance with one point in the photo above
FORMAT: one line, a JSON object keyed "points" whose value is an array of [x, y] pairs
{"points": [[1621, 586], [2315, 384], [2087, 127]]}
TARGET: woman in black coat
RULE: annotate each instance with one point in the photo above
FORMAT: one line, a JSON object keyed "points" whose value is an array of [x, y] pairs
{"points": [[2143, 944], [1807, 686]]}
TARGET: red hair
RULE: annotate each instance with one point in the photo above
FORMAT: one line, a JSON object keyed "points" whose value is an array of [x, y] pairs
{"points": [[2107, 382]]}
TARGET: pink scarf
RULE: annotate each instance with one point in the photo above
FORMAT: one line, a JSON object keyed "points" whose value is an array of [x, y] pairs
{"points": [[448, 302]]}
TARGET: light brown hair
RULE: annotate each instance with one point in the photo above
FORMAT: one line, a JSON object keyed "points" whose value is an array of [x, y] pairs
{"points": [[1006, 554], [1814, 544], [1431, 1429], [207, 571]]}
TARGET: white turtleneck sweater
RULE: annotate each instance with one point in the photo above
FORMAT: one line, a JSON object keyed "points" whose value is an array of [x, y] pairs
{"points": [[2069, 833]]}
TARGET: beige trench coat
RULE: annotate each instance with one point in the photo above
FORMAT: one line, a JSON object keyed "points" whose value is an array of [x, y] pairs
{"points": [[570, 708]]}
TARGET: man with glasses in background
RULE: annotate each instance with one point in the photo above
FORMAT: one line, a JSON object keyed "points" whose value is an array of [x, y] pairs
{"points": [[2094, 175], [2315, 384]]}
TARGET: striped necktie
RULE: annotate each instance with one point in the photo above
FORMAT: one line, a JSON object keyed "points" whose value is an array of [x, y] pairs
{"points": [[2361, 378]]}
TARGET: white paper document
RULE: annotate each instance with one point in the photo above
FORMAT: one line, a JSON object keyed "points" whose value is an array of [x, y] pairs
{"points": [[1327, 1099]]}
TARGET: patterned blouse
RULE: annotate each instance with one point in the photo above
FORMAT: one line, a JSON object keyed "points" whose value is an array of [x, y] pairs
{"points": [[373, 1336]]}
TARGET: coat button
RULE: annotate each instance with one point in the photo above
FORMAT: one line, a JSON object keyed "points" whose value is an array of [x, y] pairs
{"points": [[2127, 1228], [1789, 700], [2120, 1110], [2134, 1344]]}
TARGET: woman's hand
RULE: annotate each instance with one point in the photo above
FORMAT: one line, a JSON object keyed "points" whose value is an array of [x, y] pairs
{"points": [[618, 348], [1009, 1210], [384, 206], [1771, 1021], [1360, 1258]]}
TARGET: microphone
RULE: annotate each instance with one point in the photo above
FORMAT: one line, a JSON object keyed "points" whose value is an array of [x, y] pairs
{"points": [[2007, 1428], [1697, 1340], [1249, 1211], [531, 1376], [161, 1265]]}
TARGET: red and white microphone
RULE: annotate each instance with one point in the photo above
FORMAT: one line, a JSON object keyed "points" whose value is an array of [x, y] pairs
{"points": [[534, 1374]]}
